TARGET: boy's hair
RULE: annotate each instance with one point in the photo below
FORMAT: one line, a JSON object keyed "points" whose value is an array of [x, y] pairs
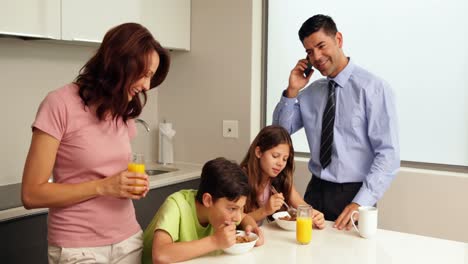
{"points": [[315, 24], [222, 178]]}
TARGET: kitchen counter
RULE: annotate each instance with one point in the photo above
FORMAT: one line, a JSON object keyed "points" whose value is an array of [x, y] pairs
{"points": [[10, 195], [334, 246]]}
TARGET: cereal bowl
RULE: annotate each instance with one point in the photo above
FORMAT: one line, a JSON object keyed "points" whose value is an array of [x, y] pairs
{"points": [[285, 224], [242, 247]]}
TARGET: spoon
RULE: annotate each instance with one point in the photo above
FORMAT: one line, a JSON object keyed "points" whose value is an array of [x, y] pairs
{"points": [[291, 210]]}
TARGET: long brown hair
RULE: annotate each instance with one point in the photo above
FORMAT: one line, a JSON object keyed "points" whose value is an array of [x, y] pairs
{"points": [[122, 59], [268, 138]]}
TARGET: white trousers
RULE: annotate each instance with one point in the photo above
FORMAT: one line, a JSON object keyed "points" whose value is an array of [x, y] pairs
{"points": [[128, 251]]}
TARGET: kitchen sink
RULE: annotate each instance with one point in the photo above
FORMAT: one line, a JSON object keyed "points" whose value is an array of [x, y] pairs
{"points": [[153, 172]]}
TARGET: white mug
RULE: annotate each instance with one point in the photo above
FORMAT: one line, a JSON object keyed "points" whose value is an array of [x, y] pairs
{"points": [[367, 226]]}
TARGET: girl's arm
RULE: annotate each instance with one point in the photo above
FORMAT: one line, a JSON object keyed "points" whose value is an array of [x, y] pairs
{"points": [[274, 204]]}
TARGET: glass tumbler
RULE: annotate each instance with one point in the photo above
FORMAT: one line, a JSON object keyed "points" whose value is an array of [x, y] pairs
{"points": [[304, 224], [137, 164]]}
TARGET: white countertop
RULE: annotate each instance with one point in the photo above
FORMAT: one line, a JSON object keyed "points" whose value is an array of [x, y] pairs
{"points": [[334, 246], [184, 172]]}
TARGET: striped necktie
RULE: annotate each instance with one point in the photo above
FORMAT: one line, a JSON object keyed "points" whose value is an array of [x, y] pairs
{"points": [[328, 124]]}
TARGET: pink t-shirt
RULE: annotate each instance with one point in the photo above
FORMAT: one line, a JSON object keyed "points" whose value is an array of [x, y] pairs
{"points": [[262, 199], [89, 149]]}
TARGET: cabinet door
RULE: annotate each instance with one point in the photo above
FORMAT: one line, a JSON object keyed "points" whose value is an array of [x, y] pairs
{"points": [[168, 21], [24, 240], [30, 18], [146, 208], [89, 20]]}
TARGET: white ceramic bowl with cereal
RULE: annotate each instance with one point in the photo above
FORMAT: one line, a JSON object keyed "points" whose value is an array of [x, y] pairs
{"points": [[281, 218], [244, 243]]}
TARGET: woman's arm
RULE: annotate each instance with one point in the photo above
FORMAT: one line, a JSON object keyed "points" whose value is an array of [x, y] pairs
{"points": [[38, 192]]}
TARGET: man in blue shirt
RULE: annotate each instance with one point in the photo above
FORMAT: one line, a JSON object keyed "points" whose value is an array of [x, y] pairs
{"points": [[350, 122]]}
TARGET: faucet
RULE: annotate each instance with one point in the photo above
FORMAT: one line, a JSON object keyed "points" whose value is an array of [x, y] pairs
{"points": [[141, 121]]}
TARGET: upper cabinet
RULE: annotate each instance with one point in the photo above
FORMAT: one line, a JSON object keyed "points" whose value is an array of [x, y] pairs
{"points": [[89, 20], [168, 21], [37, 18]]}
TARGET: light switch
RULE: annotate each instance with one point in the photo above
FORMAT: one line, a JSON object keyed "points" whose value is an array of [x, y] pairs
{"points": [[230, 128]]}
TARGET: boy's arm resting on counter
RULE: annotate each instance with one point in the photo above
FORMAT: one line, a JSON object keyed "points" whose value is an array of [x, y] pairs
{"points": [[167, 251]]}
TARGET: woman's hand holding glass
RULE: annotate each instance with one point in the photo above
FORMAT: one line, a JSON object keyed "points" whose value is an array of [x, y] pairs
{"points": [[126, 184]]}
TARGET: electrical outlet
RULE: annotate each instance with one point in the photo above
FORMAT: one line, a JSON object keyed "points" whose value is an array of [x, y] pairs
{"points": [[230, 128]]}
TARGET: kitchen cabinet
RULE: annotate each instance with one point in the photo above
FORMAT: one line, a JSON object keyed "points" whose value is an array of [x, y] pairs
{"points": [[87, 21], [24, 240], [147, 207], [26, 18], [168, 21]]}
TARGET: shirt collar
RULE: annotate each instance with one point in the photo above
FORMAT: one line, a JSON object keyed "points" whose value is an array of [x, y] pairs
{"points": [[344, 75]]}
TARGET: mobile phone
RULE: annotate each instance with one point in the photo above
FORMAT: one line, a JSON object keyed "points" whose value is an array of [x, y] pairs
{"points": [[308, 70]]}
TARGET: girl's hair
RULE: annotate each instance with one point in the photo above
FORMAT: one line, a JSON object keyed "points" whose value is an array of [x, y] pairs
{"points": [[121, 60], [268, 138]]}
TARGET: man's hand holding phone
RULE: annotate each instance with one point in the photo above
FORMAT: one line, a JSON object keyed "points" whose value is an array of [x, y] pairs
{"points": [[299, 77]]}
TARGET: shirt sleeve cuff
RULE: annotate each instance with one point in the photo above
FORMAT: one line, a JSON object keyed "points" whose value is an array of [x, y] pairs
{"points": [[287, 101], [364, 198]]}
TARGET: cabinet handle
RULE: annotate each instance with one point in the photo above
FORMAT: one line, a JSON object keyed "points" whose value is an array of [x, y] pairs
{"points": [[86, 40], [18, 34]]}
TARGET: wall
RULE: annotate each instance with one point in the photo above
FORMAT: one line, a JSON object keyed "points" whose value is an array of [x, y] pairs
{"points": [[29, 70], [424, 202], [213, 82], [216, 81]]}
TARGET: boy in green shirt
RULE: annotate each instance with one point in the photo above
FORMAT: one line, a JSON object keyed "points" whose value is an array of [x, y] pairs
{"points": [[192, 223]]}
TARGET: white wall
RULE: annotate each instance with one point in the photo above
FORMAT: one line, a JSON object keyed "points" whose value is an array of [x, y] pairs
{"points": [[29, 70], [405, 47], [212, 83]]}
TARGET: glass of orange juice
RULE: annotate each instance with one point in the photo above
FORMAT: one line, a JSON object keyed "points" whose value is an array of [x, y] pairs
{"points": [[304, 224], [137, 164]]}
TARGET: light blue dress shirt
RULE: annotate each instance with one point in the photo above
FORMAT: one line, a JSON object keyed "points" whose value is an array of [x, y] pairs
{"points": [[365, 144]]}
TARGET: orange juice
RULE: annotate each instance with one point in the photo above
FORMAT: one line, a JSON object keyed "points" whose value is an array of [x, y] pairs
{"points": [[304, 230], [136, 167]]}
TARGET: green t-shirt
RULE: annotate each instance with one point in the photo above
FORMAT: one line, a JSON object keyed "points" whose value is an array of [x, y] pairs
{"points": [[178, 217]]}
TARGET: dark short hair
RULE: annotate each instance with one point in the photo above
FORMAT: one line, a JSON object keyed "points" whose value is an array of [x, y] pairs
{"points": [[121, 59], [316, 23], [222, 178]]}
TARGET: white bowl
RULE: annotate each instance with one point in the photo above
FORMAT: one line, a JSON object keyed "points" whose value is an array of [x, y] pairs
{"points": [[285, 224], [240, 248]]}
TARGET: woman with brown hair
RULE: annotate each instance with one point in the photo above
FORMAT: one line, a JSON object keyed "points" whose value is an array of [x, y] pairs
{"points": [[269, 164], [81, 135]]}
